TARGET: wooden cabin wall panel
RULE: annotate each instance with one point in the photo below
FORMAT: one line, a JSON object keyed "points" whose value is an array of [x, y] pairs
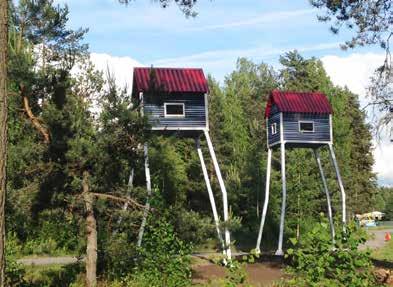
{"points": [[274, 110], [195, 112], [276, 137], [291, 127]]}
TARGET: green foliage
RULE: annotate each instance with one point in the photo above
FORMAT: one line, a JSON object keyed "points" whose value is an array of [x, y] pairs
{"points": [[316, 261], [236, 274], [56, 235], [163, 258], [386, 197], [14, 272], [52, 275], [117, 256]]}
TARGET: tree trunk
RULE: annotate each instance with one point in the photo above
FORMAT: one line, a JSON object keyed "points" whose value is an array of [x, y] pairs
{"points": [[91, 229], [3, 128]]}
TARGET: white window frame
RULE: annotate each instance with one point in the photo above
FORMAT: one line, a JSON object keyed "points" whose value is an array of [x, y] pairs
{"points": [[174, 116], [273, 128], [307, 122]]}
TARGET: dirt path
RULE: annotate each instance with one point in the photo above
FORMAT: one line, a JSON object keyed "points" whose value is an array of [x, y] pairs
{"points": [[377, 240], [259, 274], [63, 260]]}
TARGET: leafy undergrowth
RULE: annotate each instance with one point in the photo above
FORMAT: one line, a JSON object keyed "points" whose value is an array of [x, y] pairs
{"points": [[52, 275], [315, 261]]}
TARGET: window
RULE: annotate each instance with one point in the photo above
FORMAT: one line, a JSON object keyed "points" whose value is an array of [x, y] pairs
{"points": [[174, 110], [306, 127], [274, 128]]}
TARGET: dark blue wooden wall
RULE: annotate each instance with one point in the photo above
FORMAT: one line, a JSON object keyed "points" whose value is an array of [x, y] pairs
{"points": [[291, 127], [194, 104], [272, 139], [291, 131]]}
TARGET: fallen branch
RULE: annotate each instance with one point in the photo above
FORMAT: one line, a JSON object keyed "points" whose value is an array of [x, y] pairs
{"points": [[118, 199], [34, 120]]}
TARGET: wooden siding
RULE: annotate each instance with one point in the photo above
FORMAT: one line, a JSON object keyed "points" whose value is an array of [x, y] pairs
{"points": [[291, 134], [291, 128], [276, 137], [195, 112], [274, 109]]}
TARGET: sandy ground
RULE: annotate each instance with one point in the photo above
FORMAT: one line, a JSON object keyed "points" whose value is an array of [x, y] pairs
{"points": [[259, 274], [63, 260], [377, 240]]}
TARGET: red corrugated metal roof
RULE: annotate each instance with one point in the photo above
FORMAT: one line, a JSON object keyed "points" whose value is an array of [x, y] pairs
{"points": [[299, 102], [168, 80]]}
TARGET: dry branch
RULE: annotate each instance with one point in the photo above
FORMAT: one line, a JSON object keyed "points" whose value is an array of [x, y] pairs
{"points": [[34, 120], [118, 199]]}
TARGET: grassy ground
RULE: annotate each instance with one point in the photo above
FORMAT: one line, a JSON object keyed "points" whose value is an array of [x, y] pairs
{"points": [[52, 275], [385, 253]]}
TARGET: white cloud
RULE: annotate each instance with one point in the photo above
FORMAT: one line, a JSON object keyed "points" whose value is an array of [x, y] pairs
{"points": [[120, 67], [221, 62], [354, 72], [271, 17], [259, 52]]}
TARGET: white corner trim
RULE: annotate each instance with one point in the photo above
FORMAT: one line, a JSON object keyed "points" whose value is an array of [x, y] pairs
{"points": [[207, 111], [142, 103], [331, 128], [281, 127]]}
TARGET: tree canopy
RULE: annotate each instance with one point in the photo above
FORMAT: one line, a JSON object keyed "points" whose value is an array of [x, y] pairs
{"points": [[372, 24]]}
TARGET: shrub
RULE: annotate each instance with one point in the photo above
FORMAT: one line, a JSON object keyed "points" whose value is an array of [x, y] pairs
{"points": [[117, 258], [163, 260], [315, 261], [14, 271]]}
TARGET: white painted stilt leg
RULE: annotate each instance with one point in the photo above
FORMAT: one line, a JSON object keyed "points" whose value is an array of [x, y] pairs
{"points": [[130, 185], [283, 203], [266, 202], [224, 194], [148, 188], [210, 192], [325, 187], [340, 184], [129, 188]]}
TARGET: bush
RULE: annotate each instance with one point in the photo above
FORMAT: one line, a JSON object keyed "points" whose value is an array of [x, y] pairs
{"points": [[14, 272], [163, 260], [41, 246], [117, 258], [53, 275], [315, 261]]}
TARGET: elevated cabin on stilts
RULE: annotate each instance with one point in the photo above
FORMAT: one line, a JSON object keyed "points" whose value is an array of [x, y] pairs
{"points": [[175, 100], [299, 120]]}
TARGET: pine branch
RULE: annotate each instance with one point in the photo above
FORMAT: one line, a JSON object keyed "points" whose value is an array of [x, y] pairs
{"points": [[36, 123], [119, 199]]}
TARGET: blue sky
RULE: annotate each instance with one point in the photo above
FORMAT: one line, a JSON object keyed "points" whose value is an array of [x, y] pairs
{"points": [[223, 31], [142, 33]]}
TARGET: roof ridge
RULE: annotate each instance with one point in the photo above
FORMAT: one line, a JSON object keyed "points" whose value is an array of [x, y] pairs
{"points": [[298, 102], [168, 68]]}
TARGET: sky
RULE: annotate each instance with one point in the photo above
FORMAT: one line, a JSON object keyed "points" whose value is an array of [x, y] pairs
{"points": [[143, 34]]}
